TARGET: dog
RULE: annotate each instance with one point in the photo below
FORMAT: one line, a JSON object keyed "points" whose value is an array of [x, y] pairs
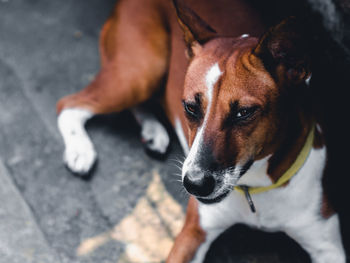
{"points": [[238, 100]]}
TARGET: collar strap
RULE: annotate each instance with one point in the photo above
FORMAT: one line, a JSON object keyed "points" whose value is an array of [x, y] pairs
{"points": [[298, 163]]}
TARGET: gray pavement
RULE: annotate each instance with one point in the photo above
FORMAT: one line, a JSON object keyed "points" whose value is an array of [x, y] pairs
{"points": [[49, 49], [19, 231]]}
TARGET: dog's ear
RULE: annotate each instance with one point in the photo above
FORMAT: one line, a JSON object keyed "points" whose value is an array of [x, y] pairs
{"points": [[196, 31], [284, 51]]}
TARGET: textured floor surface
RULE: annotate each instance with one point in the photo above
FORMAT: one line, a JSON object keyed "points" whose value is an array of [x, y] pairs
{"points": [[133, 206]]}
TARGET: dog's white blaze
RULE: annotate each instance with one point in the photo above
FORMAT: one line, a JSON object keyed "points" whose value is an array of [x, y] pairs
{"points": [[191, 157], [211, 77], [79, 153], [181, 136], [294, 209]]}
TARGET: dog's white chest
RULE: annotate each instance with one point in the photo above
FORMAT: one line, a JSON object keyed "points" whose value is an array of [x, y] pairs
{"points": [[278, 208]]}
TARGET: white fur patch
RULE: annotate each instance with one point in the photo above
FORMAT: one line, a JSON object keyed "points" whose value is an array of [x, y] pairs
{"points": [[294, 209], [307, 81], [155, 135], [181, 136], [211, 77], [79, 154], [256, 175], [192, 155]]}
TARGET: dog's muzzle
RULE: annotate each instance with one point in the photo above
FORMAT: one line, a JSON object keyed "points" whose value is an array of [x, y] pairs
{"points": [[199, 183]]}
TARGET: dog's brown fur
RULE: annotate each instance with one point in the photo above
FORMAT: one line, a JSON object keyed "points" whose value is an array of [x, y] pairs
{"points": [[142, 45]]}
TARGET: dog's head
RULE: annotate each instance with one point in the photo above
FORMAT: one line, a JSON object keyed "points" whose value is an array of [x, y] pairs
{"points": [[239, 95]]}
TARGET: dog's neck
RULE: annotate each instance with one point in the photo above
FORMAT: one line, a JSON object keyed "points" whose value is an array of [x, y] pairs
{"points": [[257, 176], [268, 170]]}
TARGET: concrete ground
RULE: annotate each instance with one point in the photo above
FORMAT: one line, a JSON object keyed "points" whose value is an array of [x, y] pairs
{"points": [[130, 210]]}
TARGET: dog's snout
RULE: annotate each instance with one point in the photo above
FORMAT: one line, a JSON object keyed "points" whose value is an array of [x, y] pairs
{"points": [[199, 183]]}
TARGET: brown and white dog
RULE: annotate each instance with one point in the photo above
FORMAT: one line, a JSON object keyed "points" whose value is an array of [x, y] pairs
{"points": [[240, 107]]}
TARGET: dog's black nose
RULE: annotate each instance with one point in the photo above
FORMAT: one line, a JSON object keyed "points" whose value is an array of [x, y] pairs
{"points": [[198, 183]]}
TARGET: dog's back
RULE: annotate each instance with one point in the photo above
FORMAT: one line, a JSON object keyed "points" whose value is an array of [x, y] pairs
{"points": [[141, 46]]}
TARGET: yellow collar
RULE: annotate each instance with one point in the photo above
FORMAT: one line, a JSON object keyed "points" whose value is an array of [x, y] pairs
{"points": [[298, 163]]}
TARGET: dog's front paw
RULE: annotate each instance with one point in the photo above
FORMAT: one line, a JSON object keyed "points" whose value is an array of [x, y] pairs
{"points": [[80, 157], [155, 137]]}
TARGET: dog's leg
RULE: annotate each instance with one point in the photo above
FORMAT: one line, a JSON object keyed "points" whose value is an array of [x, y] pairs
{"points": [[134, 54], [320, 238], [202, 250], [192, 244], [79, 154], [153, 134]]}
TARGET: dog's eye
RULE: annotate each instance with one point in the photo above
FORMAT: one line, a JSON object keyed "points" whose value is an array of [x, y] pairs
{"points": [[192, 110], [245, 113], [239, 116]]}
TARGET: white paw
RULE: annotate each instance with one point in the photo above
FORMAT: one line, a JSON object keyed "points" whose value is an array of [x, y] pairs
{"points": [[155, 136], [79, 155]]}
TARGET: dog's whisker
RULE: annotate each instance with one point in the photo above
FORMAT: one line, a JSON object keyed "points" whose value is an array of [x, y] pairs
{"points": [[178, 175], [177, 158], [177, 161], [176, 181], [180, 168], [185, 193]]}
